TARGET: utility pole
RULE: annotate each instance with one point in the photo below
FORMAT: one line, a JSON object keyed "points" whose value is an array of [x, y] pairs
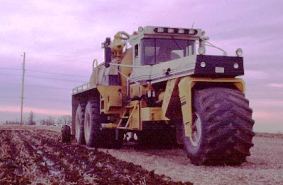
{"points": [[23, 86]]}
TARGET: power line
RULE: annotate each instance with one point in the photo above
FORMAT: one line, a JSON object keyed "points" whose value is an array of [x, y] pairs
{"points": [[73, 56], [50, 78], [8, 98], [44, 72], [5, 74], [28, 99], [31, 97], [47, 86], [13, 69], [41, 77], [44, 86], [47, 99], [65, 74]]}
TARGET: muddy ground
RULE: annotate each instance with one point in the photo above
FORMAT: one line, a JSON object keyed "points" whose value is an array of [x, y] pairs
{"points": [[33, 155], [36, 156], [263, 167]]}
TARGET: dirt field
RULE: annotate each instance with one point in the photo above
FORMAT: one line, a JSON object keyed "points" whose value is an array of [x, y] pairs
{"points": [[32, 156], [37, 156], [264, 166]]}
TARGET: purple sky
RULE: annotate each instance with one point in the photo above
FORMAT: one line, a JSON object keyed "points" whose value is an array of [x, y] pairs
{"points": [[62, 37]]}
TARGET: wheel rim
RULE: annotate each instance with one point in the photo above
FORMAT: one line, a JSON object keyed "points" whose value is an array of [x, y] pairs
{"points": [[87, 125], [78, 127], [196, 130]]}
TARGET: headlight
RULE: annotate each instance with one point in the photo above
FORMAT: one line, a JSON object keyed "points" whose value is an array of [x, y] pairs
{"points": [[239, 52], [202, 64], [236, 65], [140, 29], [192, 31], [170, 30], [181, 31], [160, 30], [201, 50]]}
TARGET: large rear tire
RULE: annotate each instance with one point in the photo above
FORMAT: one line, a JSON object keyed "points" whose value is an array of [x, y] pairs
{"points": [[222, 128], [94, 134], [79, 124]]}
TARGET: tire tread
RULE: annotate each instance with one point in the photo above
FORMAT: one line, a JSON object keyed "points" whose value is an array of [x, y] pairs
{"points": [[227, 127]]}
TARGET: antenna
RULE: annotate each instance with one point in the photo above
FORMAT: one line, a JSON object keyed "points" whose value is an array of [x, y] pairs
{"points": [[193, 24]]}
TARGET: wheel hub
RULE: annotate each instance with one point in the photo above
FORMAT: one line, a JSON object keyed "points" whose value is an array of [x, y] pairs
{"points": [[77, 129], [196, 130], [87, 127]]}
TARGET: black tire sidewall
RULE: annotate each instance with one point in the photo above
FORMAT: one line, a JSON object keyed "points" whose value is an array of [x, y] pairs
{"points": [[92, 109]]}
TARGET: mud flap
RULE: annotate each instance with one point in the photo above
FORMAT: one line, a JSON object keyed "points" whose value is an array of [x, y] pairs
{"points": [[180, 134]]}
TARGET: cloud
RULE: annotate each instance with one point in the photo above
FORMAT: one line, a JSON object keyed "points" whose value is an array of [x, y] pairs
{"points": [[267, 121], [256, 74], [276, 85]]}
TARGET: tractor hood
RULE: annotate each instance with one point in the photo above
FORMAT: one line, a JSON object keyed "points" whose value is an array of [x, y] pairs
{"points": [[198, 65], [164, 70]]}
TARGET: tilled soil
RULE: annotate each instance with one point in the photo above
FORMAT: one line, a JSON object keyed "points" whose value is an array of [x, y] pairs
{"points": [[263, 167], [33, 156]]}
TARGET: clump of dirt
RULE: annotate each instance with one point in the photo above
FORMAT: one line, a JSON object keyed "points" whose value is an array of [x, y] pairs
{"points": [[38, 157]]}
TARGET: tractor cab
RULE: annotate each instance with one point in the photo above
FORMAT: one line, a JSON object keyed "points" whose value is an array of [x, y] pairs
{"points": [[164, 52], [154, 45]]}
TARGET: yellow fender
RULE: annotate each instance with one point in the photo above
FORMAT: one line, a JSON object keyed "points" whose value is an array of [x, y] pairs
{"points": [[111, 97], [186, 85]]}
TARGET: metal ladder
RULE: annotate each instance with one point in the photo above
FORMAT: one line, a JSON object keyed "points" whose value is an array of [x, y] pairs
{"points": [[127, 115]]}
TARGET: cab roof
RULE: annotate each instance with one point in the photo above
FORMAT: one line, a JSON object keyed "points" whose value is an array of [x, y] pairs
{"points": [[165, 32]]}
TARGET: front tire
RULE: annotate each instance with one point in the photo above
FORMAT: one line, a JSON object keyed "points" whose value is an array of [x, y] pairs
{"points": [[222, 128]]}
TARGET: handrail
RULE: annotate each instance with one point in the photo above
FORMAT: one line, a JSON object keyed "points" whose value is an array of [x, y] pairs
{"points": [[81, 88], [125, 65], [214, 46], [96, 70], [96, 63], [128, 82]]}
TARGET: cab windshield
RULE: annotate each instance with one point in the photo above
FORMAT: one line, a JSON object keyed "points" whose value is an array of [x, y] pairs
{"points": [[155, 51]]}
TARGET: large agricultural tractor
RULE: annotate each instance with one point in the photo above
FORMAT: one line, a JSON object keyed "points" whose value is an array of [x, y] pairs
{"points": [[158, 86]]}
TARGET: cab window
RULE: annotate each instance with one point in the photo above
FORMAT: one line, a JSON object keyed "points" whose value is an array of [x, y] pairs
{"points": [[155, 51]]}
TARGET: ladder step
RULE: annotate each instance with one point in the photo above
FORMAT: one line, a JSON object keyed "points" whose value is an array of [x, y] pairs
{"points": [[122, 128], [125, 117], [109, 125], [129, 107]]}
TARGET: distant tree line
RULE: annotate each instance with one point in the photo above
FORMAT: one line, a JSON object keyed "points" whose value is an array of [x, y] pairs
{"points": [[62, 120], [49, 121]]}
